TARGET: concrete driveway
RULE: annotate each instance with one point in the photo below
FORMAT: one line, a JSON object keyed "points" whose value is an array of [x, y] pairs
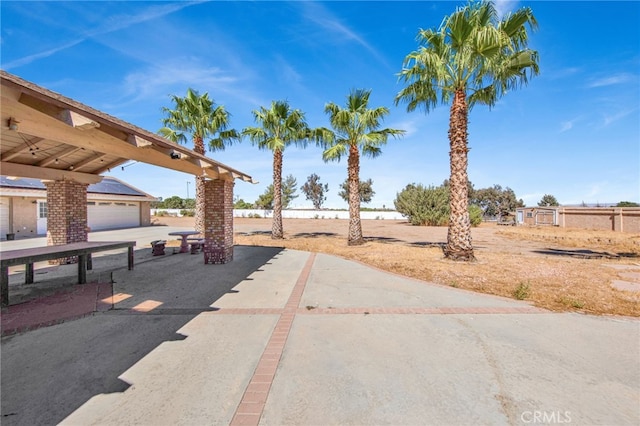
{"points": [[288, 337]]}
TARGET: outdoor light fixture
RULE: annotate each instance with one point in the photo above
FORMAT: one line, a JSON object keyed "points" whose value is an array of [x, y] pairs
{"points": [[174, 155], [13, 124]]}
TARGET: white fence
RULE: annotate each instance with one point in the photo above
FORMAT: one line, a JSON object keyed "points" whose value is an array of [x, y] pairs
{"points": [[301, 214]]}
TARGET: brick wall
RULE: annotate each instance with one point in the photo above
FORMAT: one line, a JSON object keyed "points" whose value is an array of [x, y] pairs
{"points": [[67, 215], [218, 221]]}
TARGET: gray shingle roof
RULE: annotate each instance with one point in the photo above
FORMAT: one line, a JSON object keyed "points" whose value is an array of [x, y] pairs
{"points": [[107, 186]]}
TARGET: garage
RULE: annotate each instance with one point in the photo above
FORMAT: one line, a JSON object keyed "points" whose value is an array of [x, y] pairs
{"points": [[111, 204], [112, 214], [4, 217]]}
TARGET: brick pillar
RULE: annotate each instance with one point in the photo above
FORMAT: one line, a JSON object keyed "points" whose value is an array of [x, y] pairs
{"points": [[66, 215], [218, 221]]}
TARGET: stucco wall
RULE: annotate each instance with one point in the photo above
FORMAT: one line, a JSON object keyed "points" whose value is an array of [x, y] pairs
{"points": [[145, 213], [24, 217], [618, 219]]}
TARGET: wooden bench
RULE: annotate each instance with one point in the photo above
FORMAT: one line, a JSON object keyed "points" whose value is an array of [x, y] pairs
{"points": [[30, 256]]}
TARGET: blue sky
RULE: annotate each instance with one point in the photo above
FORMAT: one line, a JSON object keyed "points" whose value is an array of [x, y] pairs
{"points": [[573, 132]]}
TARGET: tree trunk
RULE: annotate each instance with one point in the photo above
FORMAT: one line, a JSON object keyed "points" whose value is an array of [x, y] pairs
{"points": [[353, 169], [276, 226], [198, 146], [459, 234]]}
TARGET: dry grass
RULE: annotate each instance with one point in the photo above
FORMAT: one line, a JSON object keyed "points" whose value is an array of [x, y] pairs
{"points": [[554, 282], [509, 260]]}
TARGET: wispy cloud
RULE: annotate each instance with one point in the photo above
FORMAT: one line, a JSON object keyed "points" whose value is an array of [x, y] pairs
{"points": [[610, 80], [31, 58], [150, 81], [612, 118], [286, 71], [409, 126], [109, 25], [565, 126], [322, 17]]}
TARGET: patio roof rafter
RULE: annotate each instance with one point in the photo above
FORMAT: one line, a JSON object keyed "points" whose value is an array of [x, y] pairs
{"points": [[33, 114]]}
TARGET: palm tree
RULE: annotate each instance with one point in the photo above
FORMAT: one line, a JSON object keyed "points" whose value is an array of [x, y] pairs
{"points": [[279, 126], [355, 129], [474, 58], [203, 119]]}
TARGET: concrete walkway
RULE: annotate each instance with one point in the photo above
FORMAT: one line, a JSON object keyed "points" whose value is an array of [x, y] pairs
{"points": [[289, 337]]}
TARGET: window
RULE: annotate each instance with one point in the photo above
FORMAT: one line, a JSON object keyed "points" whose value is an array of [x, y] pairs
{"points": [[42, 210], [529, 214]]}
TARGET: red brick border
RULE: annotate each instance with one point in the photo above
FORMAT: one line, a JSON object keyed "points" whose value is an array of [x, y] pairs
{"points": [[255, 395]]}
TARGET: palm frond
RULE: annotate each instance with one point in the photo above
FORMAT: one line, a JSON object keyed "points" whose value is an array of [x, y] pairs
{"points": [[172, 135], [334, 152], [199, 116], [279, 127], [473, 51]]}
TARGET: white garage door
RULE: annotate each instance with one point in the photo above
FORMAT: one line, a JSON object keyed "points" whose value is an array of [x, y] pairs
{"points": [[4, 217], [111, 215]]}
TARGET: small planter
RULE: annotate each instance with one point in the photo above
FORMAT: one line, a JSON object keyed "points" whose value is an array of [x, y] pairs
{"points": [[157, 247], [11, 237]]}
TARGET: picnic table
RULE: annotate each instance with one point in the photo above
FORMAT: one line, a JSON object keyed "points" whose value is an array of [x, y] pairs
{"points": [[184, 245], [30, 256]]}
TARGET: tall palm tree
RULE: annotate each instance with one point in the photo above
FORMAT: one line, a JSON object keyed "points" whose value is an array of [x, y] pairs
{"points": [[473, 58], [279, 126], [355, 129], [199, 116]]}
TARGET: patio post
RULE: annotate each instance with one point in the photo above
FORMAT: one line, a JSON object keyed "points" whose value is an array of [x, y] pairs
{"points": [[66, 215], [218, 221]]}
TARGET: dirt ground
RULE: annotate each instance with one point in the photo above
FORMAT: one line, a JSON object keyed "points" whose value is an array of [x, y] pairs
{"points": [[554, 268]]}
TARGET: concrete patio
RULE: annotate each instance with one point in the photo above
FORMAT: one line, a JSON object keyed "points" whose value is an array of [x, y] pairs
{"points": [[289, 337]]}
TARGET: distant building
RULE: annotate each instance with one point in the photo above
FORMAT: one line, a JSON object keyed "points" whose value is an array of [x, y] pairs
{"points": [[111, 204], [619, 219]]}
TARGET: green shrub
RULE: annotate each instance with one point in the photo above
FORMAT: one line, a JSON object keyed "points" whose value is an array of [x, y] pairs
{"points": [[522, 291], [475, 215], [160, 213], [424, 205], [430, 205], [188, 213]]}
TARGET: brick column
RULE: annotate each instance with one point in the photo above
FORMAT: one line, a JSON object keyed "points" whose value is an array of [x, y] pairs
{"points": [[218, 221], [66, 215]]}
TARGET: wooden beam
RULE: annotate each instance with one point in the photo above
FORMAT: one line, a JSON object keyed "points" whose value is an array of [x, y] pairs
{"points": [[77, 121], [37, 123], [40, 116], [80, 164], [59, 155], [23, 170], [109, 166], [13, 153], [139, 142]]}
